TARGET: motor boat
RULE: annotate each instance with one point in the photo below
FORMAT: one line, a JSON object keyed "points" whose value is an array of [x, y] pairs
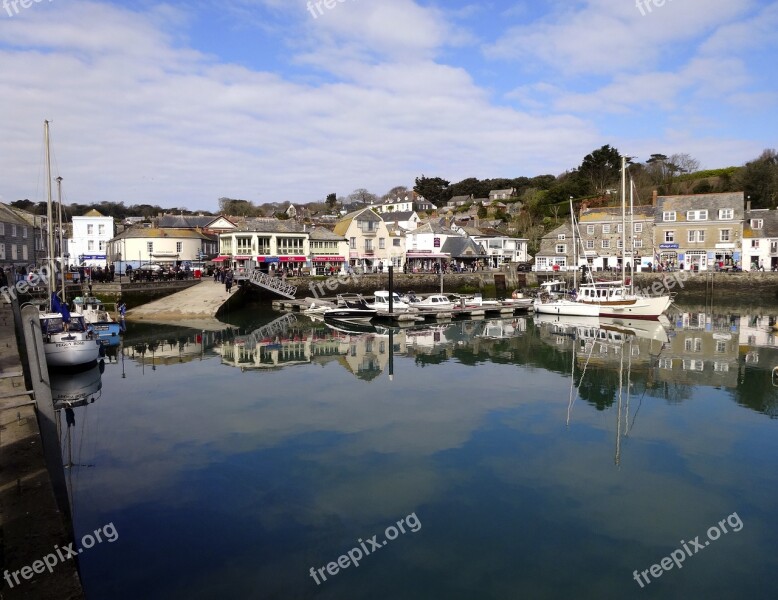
{"points": [[381, 302], [75, 346], [351, 307], [432, 302]]}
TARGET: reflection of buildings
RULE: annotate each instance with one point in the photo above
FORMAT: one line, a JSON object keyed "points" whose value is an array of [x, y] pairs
{"points": [[703, 350]]}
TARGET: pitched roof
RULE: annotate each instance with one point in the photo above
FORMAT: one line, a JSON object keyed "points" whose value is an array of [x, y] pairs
{"points": [[363, 214], [734, 200], [769, 226], [397, 216], [9, 215], [271, 226], [462, 247], [93, 213], [613, 213], [508, 191], [322, 234], [185, 221], [157, 232], [466, 198]]}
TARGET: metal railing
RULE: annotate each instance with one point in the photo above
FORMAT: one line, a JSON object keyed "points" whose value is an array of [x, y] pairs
{"points": [[273, 284]]}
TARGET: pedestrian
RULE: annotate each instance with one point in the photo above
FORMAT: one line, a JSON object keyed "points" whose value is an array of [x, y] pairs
{"points": [[3, 278], [228, 281]]}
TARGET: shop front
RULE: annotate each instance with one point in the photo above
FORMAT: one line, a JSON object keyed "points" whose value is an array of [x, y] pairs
{"points": [[292, 265], [724, 258], [419, 261], [242, 265], [324, 265], [268, 264]]}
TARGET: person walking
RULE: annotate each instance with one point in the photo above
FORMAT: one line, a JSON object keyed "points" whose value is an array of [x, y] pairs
{"points": [[228, 281]]}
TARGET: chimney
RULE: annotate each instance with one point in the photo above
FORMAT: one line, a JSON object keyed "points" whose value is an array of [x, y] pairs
{"points": [[748, 205], [653, 198]]}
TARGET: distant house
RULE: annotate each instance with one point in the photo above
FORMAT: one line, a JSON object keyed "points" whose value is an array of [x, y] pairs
{"points": [[406, 220], [17, 239], [328, 251], [502, 194], [291, 212], [370, 240], [760, 240], [91, 234], [457, 201], [556, 249]]}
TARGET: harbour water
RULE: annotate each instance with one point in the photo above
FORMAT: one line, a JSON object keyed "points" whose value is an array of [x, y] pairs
{"points": [[515, 458]]}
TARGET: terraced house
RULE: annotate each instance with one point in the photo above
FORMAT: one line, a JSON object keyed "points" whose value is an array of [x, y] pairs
{"points": [[602, 235], [17, 243], [699, 232]]}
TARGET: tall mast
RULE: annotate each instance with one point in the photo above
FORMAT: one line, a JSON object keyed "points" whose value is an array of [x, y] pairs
{"points": [[631, 236], [51, 280], [623, 214], [575, 249], [59, 229]]}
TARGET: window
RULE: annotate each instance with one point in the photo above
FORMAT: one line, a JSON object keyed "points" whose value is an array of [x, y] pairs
{"points": [[368, 226], [693, 365], [638, 227], [726, 214], [13, 252], [606, 244], [637, 243], [669, 236], [368, 245], [243, 245], [381, 243], [541, 263], [179, 247], [693, 344], [90, 245], [721, 347], [101, 245], [606, 228], [756, 223], [619, 244], [290, 245], [590, 229], [263, 246], [561, 248], [619, 228], [721, 366], [2, 248], [666, 363], [353, 243], [24, 232], [13, 230], [24, 253], [101, 229], [724, 235], [149, 247], [2, 228], [755, 243], [561, 237], [697, 215], [90, 229], [396, 242], [696, 235], [590, 244], [668, 216]]}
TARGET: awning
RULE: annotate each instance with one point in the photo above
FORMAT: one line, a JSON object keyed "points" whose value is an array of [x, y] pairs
{"points": [[267, 259], [292, 258], [427, 255], [329, 259], [220, 259], [242, 257]]}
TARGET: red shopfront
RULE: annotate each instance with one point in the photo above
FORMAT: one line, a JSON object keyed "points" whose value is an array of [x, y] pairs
{"points": [[324, 265]]}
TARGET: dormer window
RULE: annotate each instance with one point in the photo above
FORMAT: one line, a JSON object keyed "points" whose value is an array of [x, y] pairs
{"points": [[757, 223]]}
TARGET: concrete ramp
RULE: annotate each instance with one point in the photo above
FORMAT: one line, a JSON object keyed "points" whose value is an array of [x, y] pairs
{"points": [[195, 306]]}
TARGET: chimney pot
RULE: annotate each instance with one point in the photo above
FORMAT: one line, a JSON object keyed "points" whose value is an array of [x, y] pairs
{"points": [[653, 198]]}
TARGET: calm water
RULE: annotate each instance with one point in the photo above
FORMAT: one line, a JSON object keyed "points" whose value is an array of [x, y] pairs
{"points": [[533, 460]]}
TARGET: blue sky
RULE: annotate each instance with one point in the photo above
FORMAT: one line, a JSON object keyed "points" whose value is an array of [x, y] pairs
{"points": [[180, 103]]}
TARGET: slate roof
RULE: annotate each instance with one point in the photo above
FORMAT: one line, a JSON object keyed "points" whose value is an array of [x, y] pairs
{"points": [[770, 225], [320, 234], [156, 232], [613, 213], [391, 217], [9, 215], [185, 221], [270, 226], [363, 214], [711, 202], [462, 247]]}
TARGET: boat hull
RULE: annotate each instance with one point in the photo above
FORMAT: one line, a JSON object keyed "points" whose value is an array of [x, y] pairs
{"points": [[567, 308], [106, 329], [71, 353], [644, 307]]}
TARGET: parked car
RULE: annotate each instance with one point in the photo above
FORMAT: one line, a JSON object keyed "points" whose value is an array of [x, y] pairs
{"points": [[524, 267], [149, 272]]}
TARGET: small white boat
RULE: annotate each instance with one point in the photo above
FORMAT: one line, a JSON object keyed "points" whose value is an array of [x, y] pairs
{"points": [[381, 302], [432, 302], [351, 307], [477, 300]]}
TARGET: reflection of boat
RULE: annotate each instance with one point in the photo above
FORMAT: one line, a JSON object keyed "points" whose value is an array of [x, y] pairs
{"points": [[639, 328], [95, 314], [76, 389], [350, 326]]}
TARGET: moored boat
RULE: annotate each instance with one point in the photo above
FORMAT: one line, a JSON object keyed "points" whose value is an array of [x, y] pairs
{"points": [[97, 316]]}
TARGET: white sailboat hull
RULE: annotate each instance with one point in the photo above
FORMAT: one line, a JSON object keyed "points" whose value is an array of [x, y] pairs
{"points": [[644, 307], [567, 308], [71, 353]]}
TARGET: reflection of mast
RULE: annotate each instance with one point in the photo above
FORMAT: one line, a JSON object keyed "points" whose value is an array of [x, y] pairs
{"points": [[70, 419], [618, 424]]}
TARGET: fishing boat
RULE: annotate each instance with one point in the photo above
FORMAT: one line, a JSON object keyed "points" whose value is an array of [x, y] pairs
{"points": [[97, 316], [68, 341], [432, 302]]}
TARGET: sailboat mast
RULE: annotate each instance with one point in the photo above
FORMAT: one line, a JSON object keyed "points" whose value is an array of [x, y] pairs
{"points": [[51, 280], [631, 236], [59, 228], [575, 248], [623, 214]]}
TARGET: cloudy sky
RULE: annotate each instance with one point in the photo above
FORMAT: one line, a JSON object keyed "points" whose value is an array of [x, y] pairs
{"points": [[181, 103]]}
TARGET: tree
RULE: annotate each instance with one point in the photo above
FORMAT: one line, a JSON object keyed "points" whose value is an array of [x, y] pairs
{"points": [[398, 191], [661, 169], [600, 169], [759, 180], [433, 189], [685, 163], [482, 212], [332, 201], [240, 208], [361, 195]]}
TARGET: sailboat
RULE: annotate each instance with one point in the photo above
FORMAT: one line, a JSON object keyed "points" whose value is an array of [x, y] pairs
{"points": [[610, 298], [67, 339]]}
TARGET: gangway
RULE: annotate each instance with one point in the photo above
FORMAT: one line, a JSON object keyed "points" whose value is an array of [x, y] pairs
{"points": [[274, 284]]}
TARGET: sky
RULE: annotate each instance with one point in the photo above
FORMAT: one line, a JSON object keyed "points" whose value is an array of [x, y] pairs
{"points": [[181, 103]]}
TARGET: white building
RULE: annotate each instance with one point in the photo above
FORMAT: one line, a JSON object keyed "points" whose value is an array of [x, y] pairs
{"points": [[499, 247], [162, 246], [760, 240], [88, 245], [371, 243], [404, 220], [265, 244]]}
